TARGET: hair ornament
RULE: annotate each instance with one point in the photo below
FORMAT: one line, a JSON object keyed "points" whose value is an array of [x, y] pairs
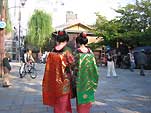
{"points": [[60, 33]]}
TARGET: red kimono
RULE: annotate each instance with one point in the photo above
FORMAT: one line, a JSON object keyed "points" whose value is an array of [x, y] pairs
{"points": [[56, 82]]}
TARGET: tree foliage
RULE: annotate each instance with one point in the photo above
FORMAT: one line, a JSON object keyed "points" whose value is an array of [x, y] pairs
{"points": [[133, 25], [107, 29], [39, 29]]}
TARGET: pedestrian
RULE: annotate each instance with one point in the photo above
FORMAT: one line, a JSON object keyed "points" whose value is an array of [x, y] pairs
{"points": [[44, 57], [56, 86], [6, 69], [141, 61], [110, 64], [119, 59], [86, 74], [131, 60], [39, 57]]}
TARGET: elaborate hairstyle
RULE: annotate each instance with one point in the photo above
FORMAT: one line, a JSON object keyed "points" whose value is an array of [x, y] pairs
{"points": [[62, 36], [82, 38]]}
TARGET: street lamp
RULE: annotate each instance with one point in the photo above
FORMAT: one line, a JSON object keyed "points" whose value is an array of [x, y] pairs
{"points": [[22, 3]]}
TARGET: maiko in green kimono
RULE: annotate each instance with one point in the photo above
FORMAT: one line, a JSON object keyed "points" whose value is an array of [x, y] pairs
{"points": [[86, 75]]}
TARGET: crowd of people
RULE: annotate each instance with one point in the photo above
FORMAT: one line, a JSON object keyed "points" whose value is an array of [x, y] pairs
{"points": [[129, 59]]}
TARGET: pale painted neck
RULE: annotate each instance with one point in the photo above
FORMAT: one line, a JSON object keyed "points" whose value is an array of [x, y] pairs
{"points": [[83, 48], [61, 45]]}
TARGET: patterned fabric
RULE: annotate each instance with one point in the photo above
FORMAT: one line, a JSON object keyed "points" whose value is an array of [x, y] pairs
{"points": [[87, 77], [56, 81]]}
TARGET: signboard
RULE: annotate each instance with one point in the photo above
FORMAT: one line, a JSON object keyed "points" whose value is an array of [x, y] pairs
{"points": [[2, 24]]}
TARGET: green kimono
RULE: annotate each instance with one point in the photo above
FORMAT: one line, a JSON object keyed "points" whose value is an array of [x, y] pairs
{"points": [[87, 77]]}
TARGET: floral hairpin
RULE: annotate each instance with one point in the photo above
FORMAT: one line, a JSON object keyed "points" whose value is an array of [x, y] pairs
{"points": [[60, 33]]}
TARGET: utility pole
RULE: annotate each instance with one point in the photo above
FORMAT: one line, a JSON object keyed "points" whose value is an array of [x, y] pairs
{"points": [[2, 32], [22, 3], [19, 30]]}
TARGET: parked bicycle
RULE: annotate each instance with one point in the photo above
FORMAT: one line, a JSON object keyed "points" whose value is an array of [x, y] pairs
{"points": [[28, 69]]}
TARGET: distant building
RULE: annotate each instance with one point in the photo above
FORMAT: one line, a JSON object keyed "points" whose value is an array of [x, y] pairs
{"points": [[74, 28], [11, 46]]}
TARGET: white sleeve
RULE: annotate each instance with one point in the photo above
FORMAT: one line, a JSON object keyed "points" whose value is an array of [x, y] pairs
{"points": [[25, 57]]}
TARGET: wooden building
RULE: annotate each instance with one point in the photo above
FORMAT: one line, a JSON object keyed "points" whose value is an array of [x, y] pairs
{"points": [[74, 29]]}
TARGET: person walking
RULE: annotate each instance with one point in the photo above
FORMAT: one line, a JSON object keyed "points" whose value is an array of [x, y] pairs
{"points": [[44, 57], [132, 60], [86, 74], [110, 64], [141, 61], [6, 69], [56, 86], [39, 57]]}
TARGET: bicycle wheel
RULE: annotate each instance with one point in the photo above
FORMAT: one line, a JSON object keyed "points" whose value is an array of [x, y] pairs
{"points": [[33, 73], [23, 73]]}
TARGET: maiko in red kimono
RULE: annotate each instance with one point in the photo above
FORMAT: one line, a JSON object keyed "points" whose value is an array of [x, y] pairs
{"points": [[56, 82]]}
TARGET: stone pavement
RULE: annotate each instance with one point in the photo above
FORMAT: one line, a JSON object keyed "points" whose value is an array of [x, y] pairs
{"points": [[129, 93]]}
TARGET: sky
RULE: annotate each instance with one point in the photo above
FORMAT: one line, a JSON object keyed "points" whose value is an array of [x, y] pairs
{"points": [[85, 9]]}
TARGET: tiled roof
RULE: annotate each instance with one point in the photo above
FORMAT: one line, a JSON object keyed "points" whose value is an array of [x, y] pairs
{"points": [[70, 24]]}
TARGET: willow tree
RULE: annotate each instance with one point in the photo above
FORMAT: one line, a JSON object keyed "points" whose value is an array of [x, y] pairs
{"points": [[39, 29]]}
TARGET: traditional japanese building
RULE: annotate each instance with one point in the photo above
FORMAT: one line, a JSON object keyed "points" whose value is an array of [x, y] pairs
{"points": [[74, 29]]}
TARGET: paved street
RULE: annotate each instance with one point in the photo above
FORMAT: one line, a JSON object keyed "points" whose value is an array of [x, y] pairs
{"points": [[129, 93]]}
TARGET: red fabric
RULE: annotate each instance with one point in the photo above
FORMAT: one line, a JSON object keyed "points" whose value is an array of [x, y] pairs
{"points": [[62, 104], [56, 85], [84, 108]]}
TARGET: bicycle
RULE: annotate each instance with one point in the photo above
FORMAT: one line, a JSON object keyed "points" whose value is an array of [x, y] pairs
{"points": [[28, 69]]}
